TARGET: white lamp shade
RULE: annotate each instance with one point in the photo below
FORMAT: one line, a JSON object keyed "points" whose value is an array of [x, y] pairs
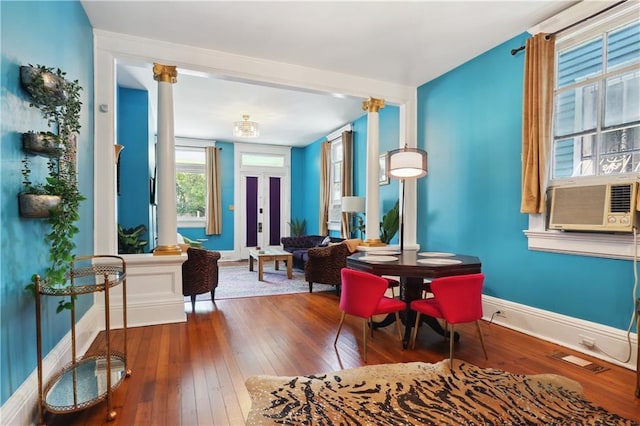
{"points": [[407, 163], [352, 204]]}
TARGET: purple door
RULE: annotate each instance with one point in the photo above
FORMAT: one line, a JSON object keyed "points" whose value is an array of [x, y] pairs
{"points": [[263, 214]]}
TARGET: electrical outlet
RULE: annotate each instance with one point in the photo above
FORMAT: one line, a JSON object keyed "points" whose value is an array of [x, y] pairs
{"points": [[585, 341]]}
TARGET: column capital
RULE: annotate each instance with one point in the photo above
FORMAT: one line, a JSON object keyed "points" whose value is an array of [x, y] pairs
{"points": [[165, 73], [373, 104]]}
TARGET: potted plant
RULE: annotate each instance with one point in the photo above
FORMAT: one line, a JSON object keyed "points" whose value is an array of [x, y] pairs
{"points": [[59, 103], [130, 239], [35, 201], [42, 143], [298, 227], [390, 223]]}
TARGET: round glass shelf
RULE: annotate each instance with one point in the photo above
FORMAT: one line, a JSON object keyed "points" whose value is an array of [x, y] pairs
{"points": [[84, 383]]}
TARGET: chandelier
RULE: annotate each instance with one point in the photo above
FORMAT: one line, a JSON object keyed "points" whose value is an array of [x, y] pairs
{"points": [[245, 128]]}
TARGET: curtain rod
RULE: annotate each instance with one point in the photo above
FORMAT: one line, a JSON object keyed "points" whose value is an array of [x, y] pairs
{"points": [[514, 51]]}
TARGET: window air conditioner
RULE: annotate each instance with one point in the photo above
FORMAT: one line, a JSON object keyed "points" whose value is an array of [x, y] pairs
{"points": [[603, 208]]}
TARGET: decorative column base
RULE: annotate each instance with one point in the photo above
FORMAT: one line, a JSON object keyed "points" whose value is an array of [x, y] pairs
{"points": [[373, 243], [167, 250]]}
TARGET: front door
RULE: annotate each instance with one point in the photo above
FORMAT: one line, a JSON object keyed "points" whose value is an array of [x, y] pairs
{"points": [[262, 208]]}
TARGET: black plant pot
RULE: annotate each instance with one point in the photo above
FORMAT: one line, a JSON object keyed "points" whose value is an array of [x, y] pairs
{"points": [[37, 206], [42, 143]]}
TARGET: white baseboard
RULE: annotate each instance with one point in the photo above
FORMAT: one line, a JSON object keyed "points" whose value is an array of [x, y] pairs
{"points": [[610, 344], [22, 407]]}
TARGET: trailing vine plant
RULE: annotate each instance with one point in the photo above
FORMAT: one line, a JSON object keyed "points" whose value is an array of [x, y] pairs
{"points": [[59, 103]]}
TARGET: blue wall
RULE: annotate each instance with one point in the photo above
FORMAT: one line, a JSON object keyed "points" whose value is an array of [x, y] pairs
{"points": [[55, 34], [305, 169], [133, 133], [470, 123]]}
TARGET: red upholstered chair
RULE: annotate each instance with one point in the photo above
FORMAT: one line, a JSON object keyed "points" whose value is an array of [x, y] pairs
{"points": [[457, 299], [363, 296]]}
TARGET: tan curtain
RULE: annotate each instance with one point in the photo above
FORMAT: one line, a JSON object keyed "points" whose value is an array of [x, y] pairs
{"points": [[347, 178], [325, 187], [536, 120], [214, 206]]}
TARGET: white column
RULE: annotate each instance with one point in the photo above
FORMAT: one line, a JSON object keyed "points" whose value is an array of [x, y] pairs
{"points": [[408, 136], [372, 220], [166, 75]]}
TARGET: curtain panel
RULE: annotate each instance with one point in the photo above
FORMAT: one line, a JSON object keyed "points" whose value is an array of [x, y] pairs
{"points": [[347, 178], [536, 120], [214, 206], [325, 187]]}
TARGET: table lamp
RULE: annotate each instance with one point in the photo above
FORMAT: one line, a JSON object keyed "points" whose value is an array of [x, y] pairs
{"points": [[351, 204]]}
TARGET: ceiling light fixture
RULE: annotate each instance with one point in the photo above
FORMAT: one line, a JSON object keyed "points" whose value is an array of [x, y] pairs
{"points": [[245, 128]]}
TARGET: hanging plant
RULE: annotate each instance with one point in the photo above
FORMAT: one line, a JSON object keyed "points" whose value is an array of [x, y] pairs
{"points": [[59, 103]]}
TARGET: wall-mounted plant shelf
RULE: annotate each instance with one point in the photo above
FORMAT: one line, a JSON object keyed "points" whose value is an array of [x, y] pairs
{"points": [[42, 143], [51, 87], [37, 206]]}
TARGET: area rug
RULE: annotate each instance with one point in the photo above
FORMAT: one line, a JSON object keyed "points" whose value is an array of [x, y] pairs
{"points": [[238, 281], [418, 393]]}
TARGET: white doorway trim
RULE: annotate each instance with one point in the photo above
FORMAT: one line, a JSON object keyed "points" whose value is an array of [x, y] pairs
{"points": [[242, 171]]}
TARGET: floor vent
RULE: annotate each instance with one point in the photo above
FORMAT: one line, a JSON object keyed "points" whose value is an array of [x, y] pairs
{"points": [[582, 363]]}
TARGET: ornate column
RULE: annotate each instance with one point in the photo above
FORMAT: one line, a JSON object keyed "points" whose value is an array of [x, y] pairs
{"points": [[166, 75], [372, 221]]}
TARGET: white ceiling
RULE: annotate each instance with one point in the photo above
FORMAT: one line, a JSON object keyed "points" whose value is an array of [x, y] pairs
{"points": [[407, 43]]}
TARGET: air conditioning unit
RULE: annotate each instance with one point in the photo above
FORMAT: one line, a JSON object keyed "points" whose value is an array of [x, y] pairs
{"points": [[600, 208]]}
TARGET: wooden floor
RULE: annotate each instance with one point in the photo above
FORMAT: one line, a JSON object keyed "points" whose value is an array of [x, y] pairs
{"points": [[193, 373]]}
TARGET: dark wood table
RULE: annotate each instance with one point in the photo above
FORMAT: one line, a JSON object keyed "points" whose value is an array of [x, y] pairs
{"points": [[413, 268]]}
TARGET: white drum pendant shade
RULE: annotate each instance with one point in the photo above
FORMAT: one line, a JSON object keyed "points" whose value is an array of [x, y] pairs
{"points": [[407, 163]]}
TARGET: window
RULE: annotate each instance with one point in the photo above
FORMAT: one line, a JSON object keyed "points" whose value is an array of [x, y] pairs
{"points": [[191, 186], [335, 200], [596, 117], [596, 125]]}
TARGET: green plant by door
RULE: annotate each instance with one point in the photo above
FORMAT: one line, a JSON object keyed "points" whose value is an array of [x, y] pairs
{"points": [[298, 227]]}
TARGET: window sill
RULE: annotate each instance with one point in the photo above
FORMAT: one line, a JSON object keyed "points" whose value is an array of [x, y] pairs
{"points": [[614, 246], [191, 223]]}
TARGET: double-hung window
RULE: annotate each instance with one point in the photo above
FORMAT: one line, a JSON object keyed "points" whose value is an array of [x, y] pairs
{"points": [[335, 196], [596, 119], [191, 186], [596, 126]]}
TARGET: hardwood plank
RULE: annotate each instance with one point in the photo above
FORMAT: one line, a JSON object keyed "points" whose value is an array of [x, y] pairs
{"points": [[194, 373]]}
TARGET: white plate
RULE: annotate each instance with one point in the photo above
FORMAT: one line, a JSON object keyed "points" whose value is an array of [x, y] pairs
{"points": [[384, 252], [438, 261], [379, 258], [435, 254]]}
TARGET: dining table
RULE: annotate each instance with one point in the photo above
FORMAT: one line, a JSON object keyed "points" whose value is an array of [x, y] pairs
{"points": [[413, 267]]}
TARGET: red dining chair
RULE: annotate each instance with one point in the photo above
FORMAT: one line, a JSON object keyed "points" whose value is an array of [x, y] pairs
{"points": [[457, 299], [362, 295]]}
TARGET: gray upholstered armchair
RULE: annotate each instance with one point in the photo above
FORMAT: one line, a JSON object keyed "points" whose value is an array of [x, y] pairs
{"points": [[200, 273]]}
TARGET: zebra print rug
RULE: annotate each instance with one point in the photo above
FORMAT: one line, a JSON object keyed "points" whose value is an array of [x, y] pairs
{"points": [[422, 394]]}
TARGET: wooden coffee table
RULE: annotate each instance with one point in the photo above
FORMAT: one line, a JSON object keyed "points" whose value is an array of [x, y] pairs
{"points": [[267, 255]]}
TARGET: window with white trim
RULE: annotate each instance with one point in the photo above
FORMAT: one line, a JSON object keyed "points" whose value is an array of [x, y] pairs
{"points": [[335, 195], [596, 126], [191, 186]]}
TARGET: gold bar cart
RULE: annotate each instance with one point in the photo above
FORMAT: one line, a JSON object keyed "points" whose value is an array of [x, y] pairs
{"points": [[92, 378]]}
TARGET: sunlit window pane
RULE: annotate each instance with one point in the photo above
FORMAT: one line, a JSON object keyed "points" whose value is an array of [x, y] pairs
{"points": [[579, 63], [576, 110], [623, 46], [622, 100]]}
